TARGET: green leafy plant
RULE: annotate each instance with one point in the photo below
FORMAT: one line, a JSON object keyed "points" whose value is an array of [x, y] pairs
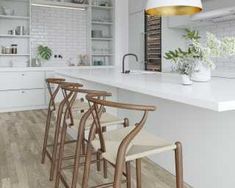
{"points": [[44, 52], [191, 35], [186, 60]]}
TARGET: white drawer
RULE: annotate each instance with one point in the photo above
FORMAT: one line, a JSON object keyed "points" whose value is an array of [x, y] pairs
{"points": [[22, 98], [21, 80]]}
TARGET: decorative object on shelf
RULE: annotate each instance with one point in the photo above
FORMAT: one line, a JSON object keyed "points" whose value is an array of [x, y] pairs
{"points": [[83, 60], [199, 56], [80, 1], [36, 62], [8, 11], [104, 4], [6, 50], [14, 49], [96, 33], [98, 62], [44, 53], [12, 32], [173, 7], [10, 50], [20, 30]]}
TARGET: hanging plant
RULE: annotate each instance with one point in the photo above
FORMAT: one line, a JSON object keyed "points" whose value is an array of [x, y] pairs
{"points": [[44, 52]]}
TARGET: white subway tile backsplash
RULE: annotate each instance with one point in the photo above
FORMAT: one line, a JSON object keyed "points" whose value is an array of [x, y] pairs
{"points": [[64, 31]]}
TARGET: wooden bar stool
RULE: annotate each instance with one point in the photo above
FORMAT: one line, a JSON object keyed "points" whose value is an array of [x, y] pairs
{"points": [[53, 85], [84, 123], [121, 146], [50, 82]]}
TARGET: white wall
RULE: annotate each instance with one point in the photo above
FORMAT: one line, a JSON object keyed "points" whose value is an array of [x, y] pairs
{"points": [[121, 30], [171, 39]]}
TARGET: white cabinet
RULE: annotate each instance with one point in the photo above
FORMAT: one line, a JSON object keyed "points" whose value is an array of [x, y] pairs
{"points": [[22, 90], [136, 6], [21, 80], [22, 98], [137, 39]]}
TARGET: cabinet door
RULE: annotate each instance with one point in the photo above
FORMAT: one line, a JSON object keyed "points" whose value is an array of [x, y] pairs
{"points": [[136, 39], [22, 98], [136, 6], [21, 80]]}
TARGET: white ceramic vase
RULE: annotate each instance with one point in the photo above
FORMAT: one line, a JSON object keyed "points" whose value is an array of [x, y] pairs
{"points": [[202, 73], [186, 79]]}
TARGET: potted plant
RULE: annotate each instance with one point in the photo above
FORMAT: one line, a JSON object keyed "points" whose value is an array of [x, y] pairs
{"points": [[201, 56], [44, 53], [183, 66]]}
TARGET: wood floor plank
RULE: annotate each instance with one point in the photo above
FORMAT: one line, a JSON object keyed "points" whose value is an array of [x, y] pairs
{"points": [[21, 138]]}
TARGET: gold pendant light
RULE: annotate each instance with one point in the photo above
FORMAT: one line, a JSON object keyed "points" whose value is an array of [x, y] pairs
{"points": [[173, 7]]}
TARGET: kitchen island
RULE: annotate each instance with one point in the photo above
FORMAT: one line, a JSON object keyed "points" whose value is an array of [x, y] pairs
{"points": [[194, 115]]}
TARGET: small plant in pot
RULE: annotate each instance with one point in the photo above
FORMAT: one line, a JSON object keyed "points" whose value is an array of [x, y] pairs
{"points": [[183, 66], [44, 53]]}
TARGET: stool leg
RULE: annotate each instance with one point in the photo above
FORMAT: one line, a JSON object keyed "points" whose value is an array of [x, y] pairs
{"points": [[79, 146], [138, 173], [54, 152], [105, 163], [128, 174], [179, 165], [48, 124], [105, 167], [98, 161], [88, 159], [61, 155]]}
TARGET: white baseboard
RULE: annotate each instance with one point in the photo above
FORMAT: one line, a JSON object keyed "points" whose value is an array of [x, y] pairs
{"points": [[17, 109]]}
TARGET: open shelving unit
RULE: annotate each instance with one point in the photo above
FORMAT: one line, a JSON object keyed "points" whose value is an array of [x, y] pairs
{"points": [[100, 17], [21, 17]]}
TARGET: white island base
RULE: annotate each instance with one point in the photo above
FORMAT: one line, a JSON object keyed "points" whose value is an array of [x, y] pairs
{"points": [[207, 135]]}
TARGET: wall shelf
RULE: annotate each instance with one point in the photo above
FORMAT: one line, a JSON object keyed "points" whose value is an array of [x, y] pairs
{"points": [[101, 7], [17, 1], [102, 23], [14, 36], [14, 17], [102, 55], [56, 4], [102, 39], [12, 55]]}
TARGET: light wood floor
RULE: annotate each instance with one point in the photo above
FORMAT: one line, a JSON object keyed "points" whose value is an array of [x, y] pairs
{"points": [[21, 136]]}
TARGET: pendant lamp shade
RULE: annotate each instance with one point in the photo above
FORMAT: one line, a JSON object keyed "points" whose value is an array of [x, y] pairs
{"points": [[173, 7]]}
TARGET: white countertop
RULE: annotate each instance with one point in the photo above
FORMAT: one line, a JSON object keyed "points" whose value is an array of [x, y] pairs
{"points": [[217, 95], [15, 69]]}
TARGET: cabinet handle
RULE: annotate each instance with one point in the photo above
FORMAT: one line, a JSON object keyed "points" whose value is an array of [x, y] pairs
{"points": [[22, 92], [22, 74]]}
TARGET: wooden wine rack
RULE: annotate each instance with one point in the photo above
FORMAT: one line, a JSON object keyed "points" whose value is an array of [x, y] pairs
{"points": [[153, 46]]}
